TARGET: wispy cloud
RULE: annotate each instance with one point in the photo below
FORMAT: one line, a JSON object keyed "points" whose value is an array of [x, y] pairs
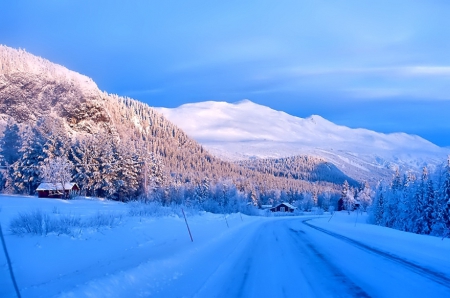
{"points": [[396, 71], [427, 70], [144, 91]]}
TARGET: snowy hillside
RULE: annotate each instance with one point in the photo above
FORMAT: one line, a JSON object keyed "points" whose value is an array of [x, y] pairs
{"points": [[245, 130]]}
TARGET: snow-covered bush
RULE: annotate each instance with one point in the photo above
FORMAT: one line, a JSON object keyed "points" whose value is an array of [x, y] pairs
{"points": [[100, 220], [155, 209], [37, 222], [34, 222], [316, 211]]}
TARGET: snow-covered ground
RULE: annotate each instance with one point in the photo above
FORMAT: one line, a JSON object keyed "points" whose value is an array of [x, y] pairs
{"points": [[140, 256]]}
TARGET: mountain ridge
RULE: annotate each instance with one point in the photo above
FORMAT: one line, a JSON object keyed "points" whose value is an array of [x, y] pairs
{"points": [[245, 130]]}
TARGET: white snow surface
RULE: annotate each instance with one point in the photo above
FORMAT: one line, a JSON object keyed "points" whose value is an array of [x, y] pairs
{"points": [[245, 130], [253, 257]]}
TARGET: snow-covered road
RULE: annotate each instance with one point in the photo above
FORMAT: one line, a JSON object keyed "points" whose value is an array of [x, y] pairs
{"points": [[290, 258], [231, 256]]}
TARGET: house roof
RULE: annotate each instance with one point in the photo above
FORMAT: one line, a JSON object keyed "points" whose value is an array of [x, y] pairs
{"points": [[56, 186], [286, 204]]}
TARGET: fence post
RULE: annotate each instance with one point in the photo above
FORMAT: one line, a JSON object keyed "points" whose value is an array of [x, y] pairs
{"points": [[189, 230]]}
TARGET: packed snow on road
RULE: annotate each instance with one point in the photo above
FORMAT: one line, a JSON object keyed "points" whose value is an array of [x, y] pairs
{"points": [[113, 249]]}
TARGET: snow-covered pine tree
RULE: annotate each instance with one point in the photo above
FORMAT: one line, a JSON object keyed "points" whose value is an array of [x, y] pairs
{"points": [[24, 172], [10, 143], [129, 168], [254, 198], [378, 208], [57, 142], [442, 212], [202, 191], [83, 154], [391, 202], [347, 196], [365, 196], [417, 205], [427, 212], [108, 168], [152, 174]]}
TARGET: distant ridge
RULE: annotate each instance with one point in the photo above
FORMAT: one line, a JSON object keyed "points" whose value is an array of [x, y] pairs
{"points": [[245, 130]]}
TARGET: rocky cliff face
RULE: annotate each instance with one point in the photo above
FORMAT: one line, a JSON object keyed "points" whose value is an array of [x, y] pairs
{"points": [[32, 87]]}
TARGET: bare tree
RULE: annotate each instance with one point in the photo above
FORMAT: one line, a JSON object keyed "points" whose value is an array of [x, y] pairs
{"points": [[57, 170]]}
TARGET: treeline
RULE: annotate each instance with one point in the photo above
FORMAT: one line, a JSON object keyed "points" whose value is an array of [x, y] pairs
{"points": [[301, 167], [100, 164], [105, 165], [418, 205]]}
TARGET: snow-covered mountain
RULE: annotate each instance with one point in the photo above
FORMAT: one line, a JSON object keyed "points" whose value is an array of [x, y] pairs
{"points": [[246, 130], [36, 93]]}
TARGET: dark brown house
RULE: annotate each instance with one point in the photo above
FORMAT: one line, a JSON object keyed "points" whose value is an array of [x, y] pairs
{"points": [[283, 207], [55, 190]]}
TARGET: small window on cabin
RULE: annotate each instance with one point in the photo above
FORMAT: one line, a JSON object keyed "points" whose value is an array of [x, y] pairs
{"points": [[282, 209]]}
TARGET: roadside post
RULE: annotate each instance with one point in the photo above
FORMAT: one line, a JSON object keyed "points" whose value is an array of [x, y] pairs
{"points": [[185, 220], [9, 263]]}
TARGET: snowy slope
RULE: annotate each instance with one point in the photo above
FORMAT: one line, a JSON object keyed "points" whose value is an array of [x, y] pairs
{"points": [[246, 130]]}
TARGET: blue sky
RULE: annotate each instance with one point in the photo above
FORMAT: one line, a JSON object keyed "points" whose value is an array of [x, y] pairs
{"points": [[382, 65]]}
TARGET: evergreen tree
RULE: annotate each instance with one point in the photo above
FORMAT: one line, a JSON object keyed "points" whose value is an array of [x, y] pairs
{"points": [[379, 207], [427, 212], [84, 154], [347, 197], [128, 172], [365, 196], [10, 144], [443, 212], [25, 171]]}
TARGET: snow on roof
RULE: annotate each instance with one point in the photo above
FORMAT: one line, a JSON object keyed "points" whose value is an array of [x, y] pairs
{"points": [[287, 205], [55, 186]]}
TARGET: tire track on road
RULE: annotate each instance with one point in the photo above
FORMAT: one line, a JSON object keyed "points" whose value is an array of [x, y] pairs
{"points": [[347, 287], [435, 276]]}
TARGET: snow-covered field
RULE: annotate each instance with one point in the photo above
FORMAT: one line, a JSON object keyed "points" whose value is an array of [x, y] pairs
{"points": [[143, 256]]}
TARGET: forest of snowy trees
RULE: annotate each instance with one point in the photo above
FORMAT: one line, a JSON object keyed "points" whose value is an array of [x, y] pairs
{"points": [[302, 167], [415, 204], [105, 165]]}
